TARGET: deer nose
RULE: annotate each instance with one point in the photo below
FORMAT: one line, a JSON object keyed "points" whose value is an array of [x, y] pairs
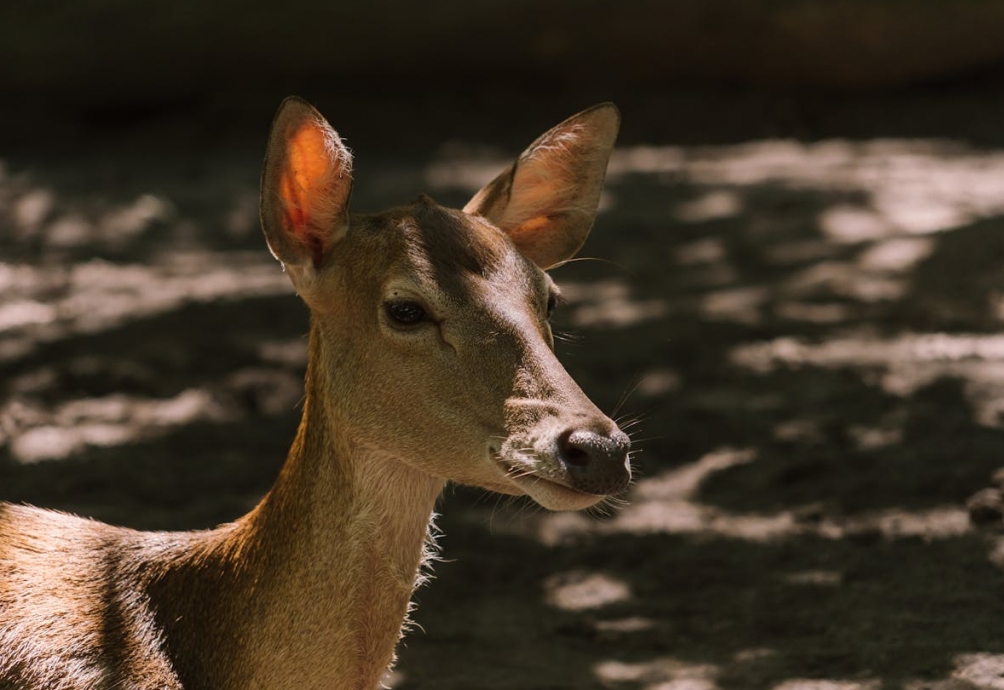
{"points": [[595, 464]]}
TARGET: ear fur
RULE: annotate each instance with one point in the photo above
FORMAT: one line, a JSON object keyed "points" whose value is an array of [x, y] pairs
{"points": [[546, 201], [306, 184]]}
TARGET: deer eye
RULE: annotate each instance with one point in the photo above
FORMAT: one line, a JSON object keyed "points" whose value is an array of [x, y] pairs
{"points": [[405, 313], [552, 303]]}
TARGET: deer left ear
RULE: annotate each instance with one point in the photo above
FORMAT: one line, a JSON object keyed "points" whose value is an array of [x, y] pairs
{"points": [[546, 201], [306, 184]]}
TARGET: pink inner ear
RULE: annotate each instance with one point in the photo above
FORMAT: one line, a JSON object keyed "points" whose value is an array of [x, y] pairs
{"points": [[538, 241], [528, 233], [303, 184]]}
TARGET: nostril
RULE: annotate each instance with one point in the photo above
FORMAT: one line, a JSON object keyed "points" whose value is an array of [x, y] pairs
{"points": [[595, 463], [573, 454]]}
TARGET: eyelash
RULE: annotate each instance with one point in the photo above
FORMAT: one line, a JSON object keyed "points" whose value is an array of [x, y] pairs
{"points": [[554, 300], [405, 313]]}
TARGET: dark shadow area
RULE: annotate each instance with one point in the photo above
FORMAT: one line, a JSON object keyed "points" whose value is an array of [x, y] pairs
{"points": [[939, 457], [200, 476], [959, 287]]}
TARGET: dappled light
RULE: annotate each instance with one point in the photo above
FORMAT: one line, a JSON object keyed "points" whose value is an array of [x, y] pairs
{"points": [[578, 591], [711, 206], [981, 670], [914, 186], [609, 303], [814, 684], [669, 504], [660, 674], [101, 290], [96, 295], [900, 365], [800, 336], [38, 434]]}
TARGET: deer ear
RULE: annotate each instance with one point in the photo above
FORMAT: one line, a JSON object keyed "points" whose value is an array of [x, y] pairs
{"points": [[546, 201], [306, 184]]}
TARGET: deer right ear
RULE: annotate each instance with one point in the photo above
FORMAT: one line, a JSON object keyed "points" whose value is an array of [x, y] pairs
{"points": [[305, 187], [547, 199]]}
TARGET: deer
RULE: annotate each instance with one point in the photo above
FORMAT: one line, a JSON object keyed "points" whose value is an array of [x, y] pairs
{"points": [[430, 360]]}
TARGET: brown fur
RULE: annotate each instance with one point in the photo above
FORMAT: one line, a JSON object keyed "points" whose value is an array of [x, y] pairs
{"points": [[310, 589]]}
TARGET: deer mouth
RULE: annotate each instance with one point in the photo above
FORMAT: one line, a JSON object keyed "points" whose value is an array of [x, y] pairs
{"points": [[548, 492]]}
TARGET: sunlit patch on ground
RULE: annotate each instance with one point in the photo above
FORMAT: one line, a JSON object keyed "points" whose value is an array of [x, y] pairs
{"points": [[811, 684], [983, 671], [609, 304], [901, 364], [393, 679], [711, 206], [97, 295], [978, 671], [914, 186], [37, 434], [578, 591], [660, 674]]}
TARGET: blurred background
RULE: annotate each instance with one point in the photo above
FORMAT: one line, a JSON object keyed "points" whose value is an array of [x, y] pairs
{"points": [[796, 309]]}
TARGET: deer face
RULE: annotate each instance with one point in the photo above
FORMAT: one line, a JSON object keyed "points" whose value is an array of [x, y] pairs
{"points": [[434, 321]]}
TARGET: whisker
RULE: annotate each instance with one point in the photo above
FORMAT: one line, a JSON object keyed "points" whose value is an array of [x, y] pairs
{"points": [[629, 423], [515, 505], [594, 258], [526, 505], [606, 508], [500, 503], [646, 439], [636, 385], [639, 418], [568, 337]]}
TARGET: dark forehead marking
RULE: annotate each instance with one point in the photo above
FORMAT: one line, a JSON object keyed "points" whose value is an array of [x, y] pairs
{"points": [[453, 240], [446, 247]]}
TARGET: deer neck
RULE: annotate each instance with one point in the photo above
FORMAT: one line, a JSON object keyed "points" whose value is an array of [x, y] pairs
{"points": [[322, 571]]}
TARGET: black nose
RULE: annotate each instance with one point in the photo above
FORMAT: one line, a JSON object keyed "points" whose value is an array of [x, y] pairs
{"points": [[596, 464]]}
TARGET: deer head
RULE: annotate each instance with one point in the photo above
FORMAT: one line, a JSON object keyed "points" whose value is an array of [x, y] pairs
{"points": [[431, 325]]}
